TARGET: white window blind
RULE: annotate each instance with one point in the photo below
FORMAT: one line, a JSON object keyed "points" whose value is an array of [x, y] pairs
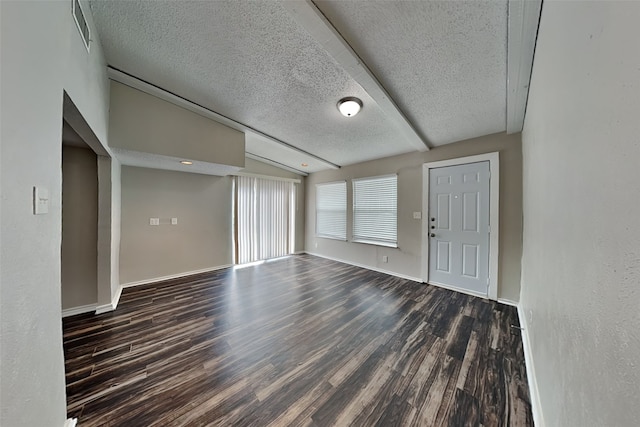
{"points": [[265, 219], [331, 210], [375, 210]]}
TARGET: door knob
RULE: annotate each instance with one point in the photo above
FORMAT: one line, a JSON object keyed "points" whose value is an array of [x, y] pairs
{"points": [[433, 219], [432, 235]]}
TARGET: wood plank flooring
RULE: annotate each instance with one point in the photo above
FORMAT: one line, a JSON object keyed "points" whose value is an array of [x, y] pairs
{"points": [[301, 341]]}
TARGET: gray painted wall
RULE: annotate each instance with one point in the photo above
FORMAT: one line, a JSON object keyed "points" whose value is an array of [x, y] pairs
{"points": [[203, 237], [144, 123], [79, 268], [36, 67], [406, 259], [581, 257]]}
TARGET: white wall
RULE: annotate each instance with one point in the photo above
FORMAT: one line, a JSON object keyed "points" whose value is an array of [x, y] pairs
{"points": [[116, 227], [581, 255], [42, 55], [407, 258]]}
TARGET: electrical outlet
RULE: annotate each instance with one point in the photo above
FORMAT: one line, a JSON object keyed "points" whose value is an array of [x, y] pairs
{"points": [[316, 245], [417, 215], [385, 258], [174, 221]]}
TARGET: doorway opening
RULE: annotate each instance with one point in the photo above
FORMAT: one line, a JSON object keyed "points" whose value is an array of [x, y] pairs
{"points": [[79, 252], [86, 285]]}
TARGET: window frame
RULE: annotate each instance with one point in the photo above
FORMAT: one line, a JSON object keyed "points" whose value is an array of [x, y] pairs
{"points": [[373, 240]]}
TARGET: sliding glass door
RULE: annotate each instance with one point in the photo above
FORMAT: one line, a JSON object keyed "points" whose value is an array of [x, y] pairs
{"points": [[265, 218]]}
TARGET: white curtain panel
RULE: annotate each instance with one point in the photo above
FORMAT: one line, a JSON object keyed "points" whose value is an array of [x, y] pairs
{"points": [[265, 218]]}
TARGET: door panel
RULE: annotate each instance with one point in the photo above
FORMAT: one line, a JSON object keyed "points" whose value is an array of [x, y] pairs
{"points": [[470, 211], [470, 261], [444, 211], [459, 221], [471, 177], [443, 257]]}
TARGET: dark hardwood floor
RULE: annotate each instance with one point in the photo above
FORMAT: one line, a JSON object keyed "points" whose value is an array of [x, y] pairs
{"points": [[296, 341]]}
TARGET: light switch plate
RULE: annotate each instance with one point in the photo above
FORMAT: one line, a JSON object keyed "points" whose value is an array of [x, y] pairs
{"points": [[154, 221], [417, 215], [174, 221], [40, 200]]}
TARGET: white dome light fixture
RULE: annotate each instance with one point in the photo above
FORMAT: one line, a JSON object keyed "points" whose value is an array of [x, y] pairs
{"points": [[349, 106]]}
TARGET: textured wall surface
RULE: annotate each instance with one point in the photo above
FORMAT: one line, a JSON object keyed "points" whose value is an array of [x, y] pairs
{"points": [[42, 55], [407, 258], [581, 255], [79, 267]]}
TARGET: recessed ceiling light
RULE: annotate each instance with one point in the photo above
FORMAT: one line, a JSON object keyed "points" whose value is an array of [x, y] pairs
{"points": [[186, 162], [349, 106], [305, 164]]}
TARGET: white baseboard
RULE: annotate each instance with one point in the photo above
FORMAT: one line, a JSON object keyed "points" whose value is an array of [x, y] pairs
{"points": [[71, 422], [105, 308], [368, 267], [112, 305], [116, 298], [507, 302], [534, 394], [78, 310], [174, 276]]}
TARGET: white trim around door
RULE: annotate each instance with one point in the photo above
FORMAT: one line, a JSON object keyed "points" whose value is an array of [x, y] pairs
{"points": [[494, 216]]}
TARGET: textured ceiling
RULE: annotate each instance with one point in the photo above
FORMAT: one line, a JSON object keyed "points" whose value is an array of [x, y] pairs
{"points": [[443, 63]]}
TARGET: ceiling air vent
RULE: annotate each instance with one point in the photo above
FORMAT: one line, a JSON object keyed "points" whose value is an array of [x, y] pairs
{"points": [[81, 22]]}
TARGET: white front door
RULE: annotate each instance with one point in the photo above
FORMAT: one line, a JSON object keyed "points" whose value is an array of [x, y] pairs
{"points": [[459, 227]]}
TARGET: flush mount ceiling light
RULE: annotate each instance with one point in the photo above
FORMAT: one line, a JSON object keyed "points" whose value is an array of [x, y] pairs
{"points": [[349, 106], [186, 162], [304, 165]]}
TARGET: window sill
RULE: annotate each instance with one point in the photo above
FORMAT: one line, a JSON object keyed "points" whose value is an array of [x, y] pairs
{"points": [[332, 238], [375, 243]]}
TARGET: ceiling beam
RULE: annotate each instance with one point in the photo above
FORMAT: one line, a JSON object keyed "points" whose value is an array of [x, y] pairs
{"points": [[310, 18], [274, 163], [524, 18], [158, 92]]}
